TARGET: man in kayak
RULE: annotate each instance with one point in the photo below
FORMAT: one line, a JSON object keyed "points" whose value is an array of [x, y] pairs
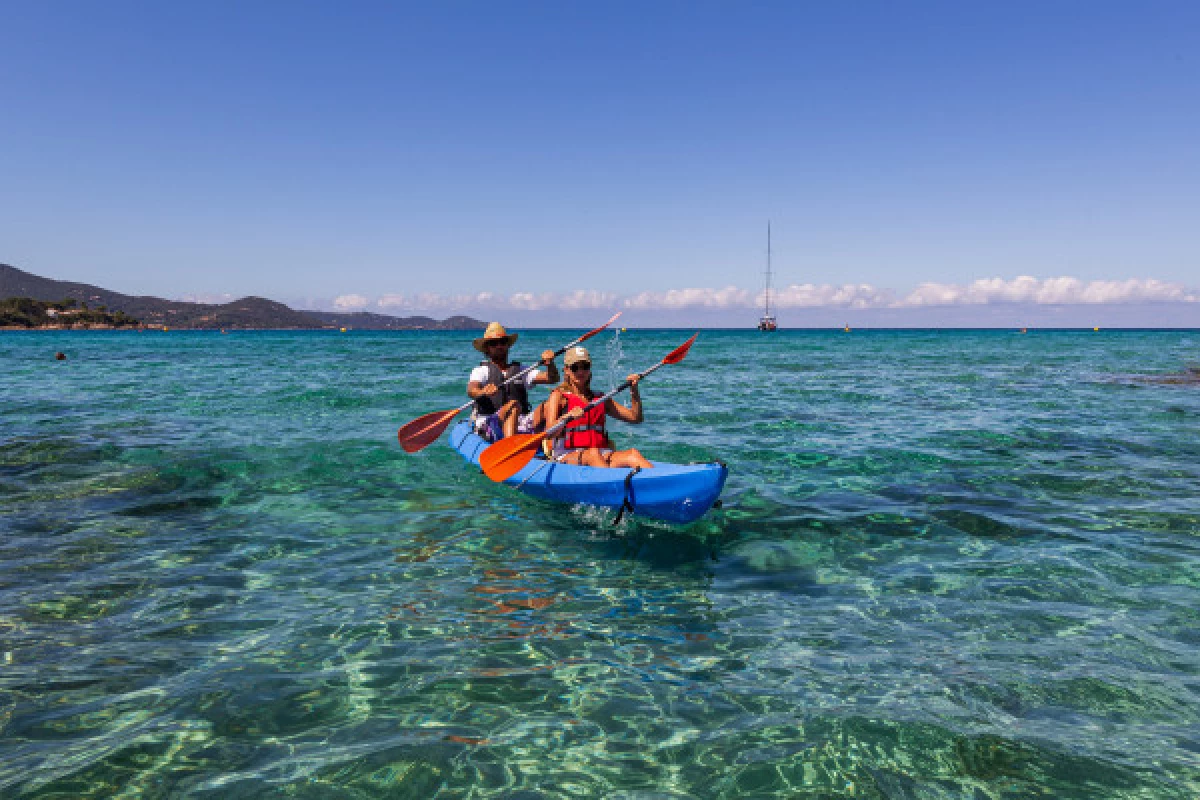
{"points": [[585, 440], [502, 410]]}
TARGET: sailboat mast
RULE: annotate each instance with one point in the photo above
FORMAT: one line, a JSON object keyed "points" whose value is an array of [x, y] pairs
{"points": [[767, 323], [767, 296]]}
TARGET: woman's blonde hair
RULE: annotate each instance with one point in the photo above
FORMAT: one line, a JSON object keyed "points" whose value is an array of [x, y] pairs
{"points": [[566, 386]]}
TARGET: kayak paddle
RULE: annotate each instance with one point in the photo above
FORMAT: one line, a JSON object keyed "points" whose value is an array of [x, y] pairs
{"points": [[506, 457], [425, 429]]}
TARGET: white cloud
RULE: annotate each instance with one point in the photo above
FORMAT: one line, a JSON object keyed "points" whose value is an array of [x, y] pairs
{"points": [[1024, 289], [587, 298], [392, 301], [350, 302], [862, 295], [729, 297], [210, 299], [518, 301], [1063, 290], [527, 301]]}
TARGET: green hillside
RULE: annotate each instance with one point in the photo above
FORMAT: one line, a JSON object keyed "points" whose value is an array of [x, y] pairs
{"points": [[25, 312], [248, 312]]}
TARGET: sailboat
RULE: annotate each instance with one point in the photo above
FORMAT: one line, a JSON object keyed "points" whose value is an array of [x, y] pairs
{"points": [[767, 321]]}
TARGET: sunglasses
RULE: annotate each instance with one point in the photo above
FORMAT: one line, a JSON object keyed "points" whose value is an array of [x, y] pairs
{"points": [[496, 343], [580, 365]]}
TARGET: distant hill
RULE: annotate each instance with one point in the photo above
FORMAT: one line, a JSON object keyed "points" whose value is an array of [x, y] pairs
{"points": [[248, 312], [364, 320]]}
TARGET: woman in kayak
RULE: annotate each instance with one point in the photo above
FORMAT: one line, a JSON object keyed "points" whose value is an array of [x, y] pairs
{"points": [[585, 440]]}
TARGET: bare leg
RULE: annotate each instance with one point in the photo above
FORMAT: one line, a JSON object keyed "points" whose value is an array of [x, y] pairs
{"points": [[629, 458], [508, 417], [593, 457], [573, 457], [539, 416]]}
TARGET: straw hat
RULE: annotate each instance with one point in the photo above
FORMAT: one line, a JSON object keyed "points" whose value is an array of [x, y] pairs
{"points": [[494, 331], [576, 354]]}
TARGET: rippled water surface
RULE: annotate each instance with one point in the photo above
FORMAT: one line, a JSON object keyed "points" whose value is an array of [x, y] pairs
{"points": [[949, 565]]}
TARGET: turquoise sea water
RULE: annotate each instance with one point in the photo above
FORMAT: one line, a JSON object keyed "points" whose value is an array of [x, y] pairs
{"points": [[950, 565]]}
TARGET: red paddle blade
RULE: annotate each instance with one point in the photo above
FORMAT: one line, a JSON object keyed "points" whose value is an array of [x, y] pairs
{"points": [[676, 355], [506, 457], [590, 334], [424, 430]]}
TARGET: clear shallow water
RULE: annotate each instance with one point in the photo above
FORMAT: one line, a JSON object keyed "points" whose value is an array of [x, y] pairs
{"points": [[950, 565]]}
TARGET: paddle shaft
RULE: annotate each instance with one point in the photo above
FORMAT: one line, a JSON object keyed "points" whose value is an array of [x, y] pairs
{"points": [[537, 364], [622, 386], [505, 458], [422, 431]]}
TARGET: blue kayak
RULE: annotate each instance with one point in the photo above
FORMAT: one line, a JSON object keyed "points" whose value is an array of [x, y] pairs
{"points": [[670, 492]]}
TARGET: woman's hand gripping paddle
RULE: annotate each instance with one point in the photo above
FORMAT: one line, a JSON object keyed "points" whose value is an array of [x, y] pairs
{"points": [[506, 457], [424, 430]]}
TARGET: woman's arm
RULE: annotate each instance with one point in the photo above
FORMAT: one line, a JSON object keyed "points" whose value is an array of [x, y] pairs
{"points": [[633, 414], [553, 406]]}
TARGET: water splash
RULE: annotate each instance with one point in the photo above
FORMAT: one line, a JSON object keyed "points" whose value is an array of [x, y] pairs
{"points": [[615, 354]]}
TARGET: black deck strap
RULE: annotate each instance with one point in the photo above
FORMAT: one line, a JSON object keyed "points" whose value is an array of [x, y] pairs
{"points": [[627, 503]]}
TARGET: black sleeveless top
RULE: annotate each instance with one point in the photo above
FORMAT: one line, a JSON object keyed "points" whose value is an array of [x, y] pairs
{"points": [[513, 391]]}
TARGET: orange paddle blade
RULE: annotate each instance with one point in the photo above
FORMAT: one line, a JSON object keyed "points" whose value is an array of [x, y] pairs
{"points": [[506, 457], [424, 430], [676, 355]]}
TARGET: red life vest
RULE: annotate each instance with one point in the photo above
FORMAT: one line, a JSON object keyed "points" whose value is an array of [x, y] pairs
{"points": [[588, 430]]}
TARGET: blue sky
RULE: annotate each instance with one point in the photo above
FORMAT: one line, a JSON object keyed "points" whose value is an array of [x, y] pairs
{"points": [[919, 162]]}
